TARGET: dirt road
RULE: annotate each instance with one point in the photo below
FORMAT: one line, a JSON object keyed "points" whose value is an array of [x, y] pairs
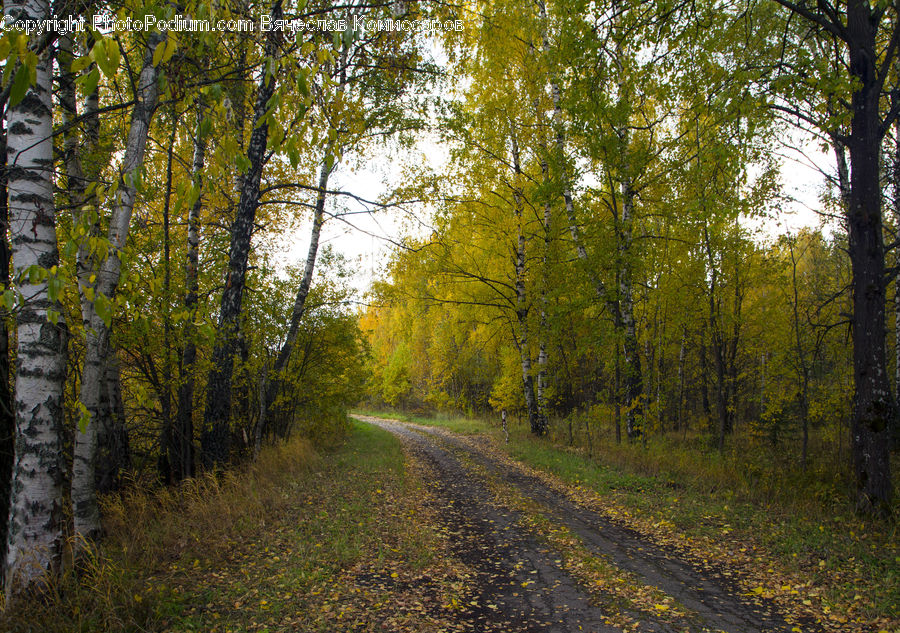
{"points": [[543, 563]]}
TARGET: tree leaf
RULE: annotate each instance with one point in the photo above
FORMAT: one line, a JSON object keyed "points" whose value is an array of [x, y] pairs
{"points": [[103, 308], [20, 85]]}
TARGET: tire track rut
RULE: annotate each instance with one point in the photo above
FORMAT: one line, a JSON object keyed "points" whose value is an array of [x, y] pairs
{"points": [[521, 584]]}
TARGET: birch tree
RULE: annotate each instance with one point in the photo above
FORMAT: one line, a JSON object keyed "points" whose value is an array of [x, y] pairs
{"points": [[100, 284], [34, 541]]}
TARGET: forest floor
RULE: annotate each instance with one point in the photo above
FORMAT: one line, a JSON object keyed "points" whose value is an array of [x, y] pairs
{"points": [[416, 528]]}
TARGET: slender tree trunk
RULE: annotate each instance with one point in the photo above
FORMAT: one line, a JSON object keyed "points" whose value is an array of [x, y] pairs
{"points": [[543, 329], [762, 383], [802, 368], [718, 345], [874, 408], [263, 410], [896, 172], [527, 380], [215, 440], [617, 399], [538, 427], [896, 263], [680, 410], [181, 459], [7, 416], [329, 163], [634, 388], [113, 449], [722, 391], [166, 437], [284, 353], [623, 322], [704, 383], [82, 167], [660, 369], [35, 516], [732, 349], [86, 514]]}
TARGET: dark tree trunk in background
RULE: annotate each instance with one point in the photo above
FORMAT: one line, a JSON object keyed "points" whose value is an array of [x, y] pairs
{"points": [[215, 440], [181, 447], [113, 449]]}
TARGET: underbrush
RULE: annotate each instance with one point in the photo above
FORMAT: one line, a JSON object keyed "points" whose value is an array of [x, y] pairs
{"points": [[270, 542], [148, 531]]}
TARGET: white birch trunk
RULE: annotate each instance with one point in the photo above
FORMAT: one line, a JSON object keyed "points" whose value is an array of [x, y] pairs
{"points": [[624, 323], [86, 514], [35, 530], [536, 422], [543, 356]]}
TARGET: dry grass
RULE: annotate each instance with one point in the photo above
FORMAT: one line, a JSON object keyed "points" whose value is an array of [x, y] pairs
{"points": [[149, 532]]}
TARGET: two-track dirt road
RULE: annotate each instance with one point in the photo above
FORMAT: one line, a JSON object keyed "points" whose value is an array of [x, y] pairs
{"points": [[524, 581]]}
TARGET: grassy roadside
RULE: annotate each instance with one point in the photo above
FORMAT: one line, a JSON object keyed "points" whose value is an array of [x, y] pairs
{"points": [[821, 565], [297, 542]]}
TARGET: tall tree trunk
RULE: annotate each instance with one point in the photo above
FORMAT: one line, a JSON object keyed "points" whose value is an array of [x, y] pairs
{"points": [[165, 448], [34, 541], [543, 327], [215, 440], [762, 383], [680, 409], [874, 407], [7, 416], [895, 170], [802, 368], [181, 456], [543, 355], [82, 167], [721, 380], [85, 512], [634, 388], [623, 323], [537, 424], [704, 382], [329, 163], [895, 430], [718, 344], [284, 354], [732, 349], [113, 447], [617, 399]]}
